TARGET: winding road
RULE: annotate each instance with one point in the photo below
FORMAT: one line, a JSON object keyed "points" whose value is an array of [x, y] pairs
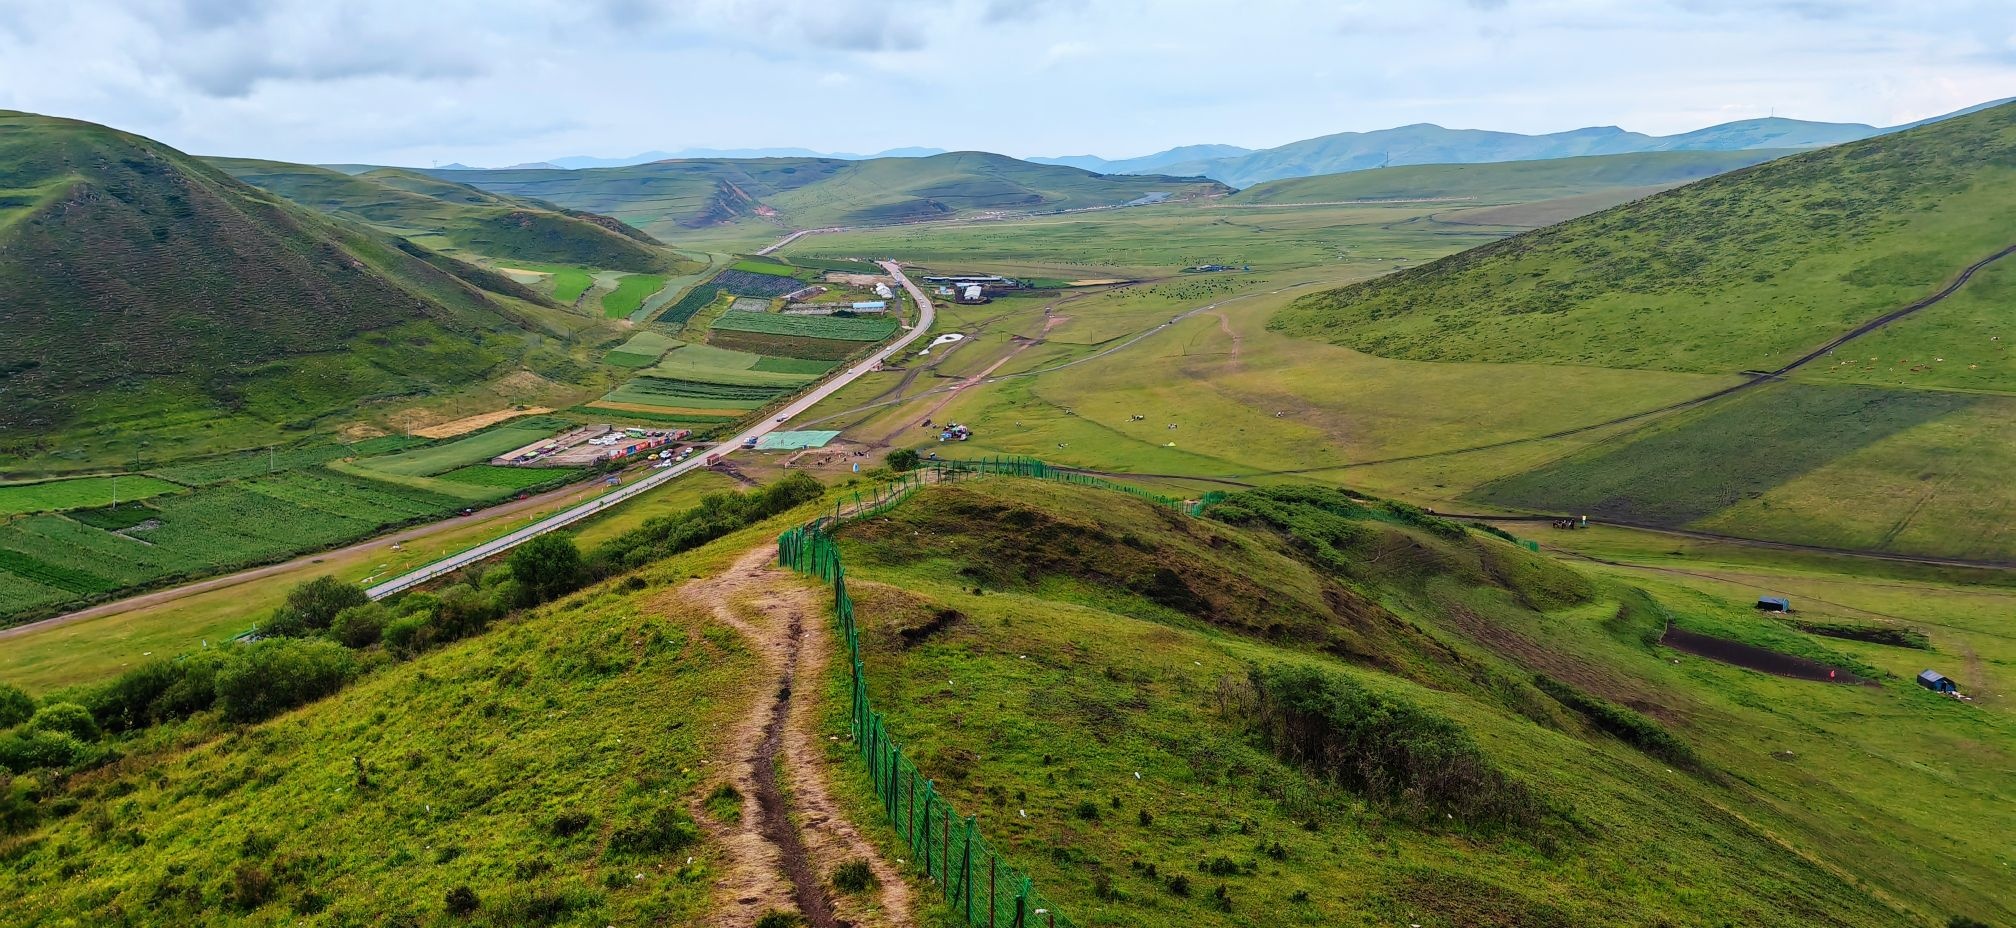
{"points": [[927, 314]]}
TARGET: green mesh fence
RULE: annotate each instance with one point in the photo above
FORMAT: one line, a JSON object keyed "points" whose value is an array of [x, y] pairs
{"points": [[945, 846]]}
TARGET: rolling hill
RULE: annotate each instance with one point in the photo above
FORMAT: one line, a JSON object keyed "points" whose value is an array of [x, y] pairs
{"points": [[1425, 143], [1304, 708], [457, 219], [152, 297], [1869, 281], [1745, 270], [1508, 181], [667, 197]]}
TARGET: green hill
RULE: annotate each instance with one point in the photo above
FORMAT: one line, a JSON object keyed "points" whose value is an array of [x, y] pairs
{"points": [[1305, 708], [460, 220], [1745, 270], [1507, 181], [153, 298], [666, 197]]}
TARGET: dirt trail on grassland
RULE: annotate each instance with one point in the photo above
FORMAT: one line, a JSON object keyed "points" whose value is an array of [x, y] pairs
{"points": [[792, 834]]}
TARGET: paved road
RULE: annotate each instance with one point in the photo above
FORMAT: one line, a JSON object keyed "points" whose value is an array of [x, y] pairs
{"points": [[788, 239], [926, 315]]}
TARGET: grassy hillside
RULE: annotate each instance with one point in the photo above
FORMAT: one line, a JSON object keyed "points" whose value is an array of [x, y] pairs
{"points": [[1509, 181], [668, 197], [1746, 270], [150, 293], [1098, 683], [458, 219], [548, 766]]}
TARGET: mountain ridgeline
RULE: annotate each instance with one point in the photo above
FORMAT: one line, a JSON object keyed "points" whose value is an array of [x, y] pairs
{"points": [[458, 219], [667, 197], [148, 290], [1426, 143]]}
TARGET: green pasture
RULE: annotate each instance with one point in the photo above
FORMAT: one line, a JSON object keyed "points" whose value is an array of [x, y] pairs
{"points": [[629, 295], [78, 493]]}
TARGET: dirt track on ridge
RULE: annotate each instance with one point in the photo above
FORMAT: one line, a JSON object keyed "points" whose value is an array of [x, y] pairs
{"points": [[791, 834]]}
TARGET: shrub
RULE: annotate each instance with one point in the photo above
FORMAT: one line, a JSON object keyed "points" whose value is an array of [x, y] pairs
{"points": [[904, 460], [462, 901], [18, 811], [360, 626], [568, 824], [715, 516], [777, 918], [1087, 810], [1962, 921], [1179, 884], [664, 831], [272, 676], [546, 568], [1628, 726], [311, 606], [34, 750], [1388, 750], [67, 717], [407, 633], [15, 706], [854, 876], [251, 887]]}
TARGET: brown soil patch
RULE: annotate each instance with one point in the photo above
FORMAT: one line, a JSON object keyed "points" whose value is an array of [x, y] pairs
{"points": [[467, 424], [792, 834], [1755, 658]]}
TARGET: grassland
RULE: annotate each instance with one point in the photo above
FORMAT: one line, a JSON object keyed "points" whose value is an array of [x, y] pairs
{"points": [[1507, 181], [78, 493], [678, 199], [1718, 276], [231, 331], [1080, 669], [443, 801]]}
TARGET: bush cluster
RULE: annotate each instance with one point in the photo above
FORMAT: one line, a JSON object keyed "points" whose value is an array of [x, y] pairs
{"points": [[1628, 726], [1391, 751]]}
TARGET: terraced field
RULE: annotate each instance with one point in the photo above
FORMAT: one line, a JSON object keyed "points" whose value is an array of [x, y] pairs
{"points": [[642, 350], [840, 328]]}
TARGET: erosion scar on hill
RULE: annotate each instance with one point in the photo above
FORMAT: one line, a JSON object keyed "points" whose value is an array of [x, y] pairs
{"points": [[791, 835]]}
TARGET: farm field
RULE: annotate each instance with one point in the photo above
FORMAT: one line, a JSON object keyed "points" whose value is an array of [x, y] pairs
{"points": [[78, 493], [53, 560], [441, 458], [839, 328], [641, 350], [630, 293]]}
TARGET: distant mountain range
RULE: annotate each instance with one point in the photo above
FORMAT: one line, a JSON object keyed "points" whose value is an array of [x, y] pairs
{"points": [[576, 162], [1426, 143]]}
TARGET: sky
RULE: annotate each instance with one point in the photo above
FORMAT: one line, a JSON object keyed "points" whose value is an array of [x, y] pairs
{"points": [[419, 82]]}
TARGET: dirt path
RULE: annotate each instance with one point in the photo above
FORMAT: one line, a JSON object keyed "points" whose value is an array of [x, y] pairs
{"points": [[792, 834]]}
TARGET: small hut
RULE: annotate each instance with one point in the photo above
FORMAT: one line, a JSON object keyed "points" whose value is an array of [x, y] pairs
{"points": [[1774, 604], [1937, 682]]}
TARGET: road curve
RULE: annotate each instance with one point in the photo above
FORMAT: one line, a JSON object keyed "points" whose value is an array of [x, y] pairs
{"points": [[788, 239], [926, 315]]}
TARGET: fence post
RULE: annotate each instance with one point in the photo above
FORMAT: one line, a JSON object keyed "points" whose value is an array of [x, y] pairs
{"points": [[966, 863], [992, 872]]}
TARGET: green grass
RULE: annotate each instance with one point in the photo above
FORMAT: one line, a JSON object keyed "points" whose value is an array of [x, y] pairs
{"points": [[258, 319], [755, 266], [670, 392], [78, 493], [840, 328], [1507, 181], [469, 756], [792, 365], [220, 468], [441, 458], [629, 294], [458, 218], [1698, 464], [1078, 670], [508, 478], [677, 199], [187, 535], [1744, 270]]}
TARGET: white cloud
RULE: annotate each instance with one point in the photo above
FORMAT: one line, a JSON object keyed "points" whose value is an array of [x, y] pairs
{"points": [[520, 80]]}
